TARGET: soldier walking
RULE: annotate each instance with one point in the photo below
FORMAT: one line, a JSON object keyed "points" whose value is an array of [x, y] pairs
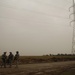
{"points": [[10, 59], [4, 60], [16, 58]]}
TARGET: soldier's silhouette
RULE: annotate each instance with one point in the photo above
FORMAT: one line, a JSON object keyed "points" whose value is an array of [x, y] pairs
{"points": [[4, 59], [16, 58], [10, 59]]}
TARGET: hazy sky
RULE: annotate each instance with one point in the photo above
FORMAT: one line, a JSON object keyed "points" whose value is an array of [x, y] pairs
{"points": [[35, 27]]}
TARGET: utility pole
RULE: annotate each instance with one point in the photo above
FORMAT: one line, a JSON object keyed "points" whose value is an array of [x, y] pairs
{"points": [[73, 37]]}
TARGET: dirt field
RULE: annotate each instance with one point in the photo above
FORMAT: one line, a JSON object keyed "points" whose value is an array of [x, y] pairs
{"points": [[56, 68]]}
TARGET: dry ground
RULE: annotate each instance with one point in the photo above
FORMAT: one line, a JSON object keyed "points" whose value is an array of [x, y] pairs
{"points": [[55, 68]]}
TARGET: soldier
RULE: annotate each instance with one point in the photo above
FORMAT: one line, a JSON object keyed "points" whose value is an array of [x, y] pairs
{"points": [[4, 59], [10, 59], [16, 58]]}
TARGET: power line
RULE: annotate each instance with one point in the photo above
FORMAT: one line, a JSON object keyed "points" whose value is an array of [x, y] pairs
{"points": [[38, 12], [54, 6]]}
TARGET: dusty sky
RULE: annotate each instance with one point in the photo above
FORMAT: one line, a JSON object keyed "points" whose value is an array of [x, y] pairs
{"points": [[35, 27]]}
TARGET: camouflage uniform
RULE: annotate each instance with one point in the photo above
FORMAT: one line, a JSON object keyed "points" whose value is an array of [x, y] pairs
{"points": [[16, 58], [10, 59], [4, 59]]}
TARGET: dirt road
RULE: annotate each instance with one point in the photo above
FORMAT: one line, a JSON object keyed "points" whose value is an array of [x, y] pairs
{"points": [[56, 68]]}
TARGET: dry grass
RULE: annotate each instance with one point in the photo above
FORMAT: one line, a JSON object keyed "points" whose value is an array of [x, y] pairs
{"points": [[45, 59]]}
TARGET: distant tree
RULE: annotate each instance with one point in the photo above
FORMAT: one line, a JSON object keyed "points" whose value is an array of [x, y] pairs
{"points": [[50, 54], [58, 54], [47, 55]]}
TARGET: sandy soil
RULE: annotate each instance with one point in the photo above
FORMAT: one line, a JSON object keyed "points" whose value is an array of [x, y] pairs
{"points": [[56, 68]]}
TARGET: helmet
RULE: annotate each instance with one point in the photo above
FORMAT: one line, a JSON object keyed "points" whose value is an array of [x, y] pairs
{"points": [[17, 52], [5, 52]]}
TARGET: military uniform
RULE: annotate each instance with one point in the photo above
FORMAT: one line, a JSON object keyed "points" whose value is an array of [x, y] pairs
{"points": [[4, 60], [16, 58], [10, 59]]}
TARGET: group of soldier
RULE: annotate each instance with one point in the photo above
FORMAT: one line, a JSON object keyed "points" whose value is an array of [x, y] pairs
{"points": [[8, 60]]}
